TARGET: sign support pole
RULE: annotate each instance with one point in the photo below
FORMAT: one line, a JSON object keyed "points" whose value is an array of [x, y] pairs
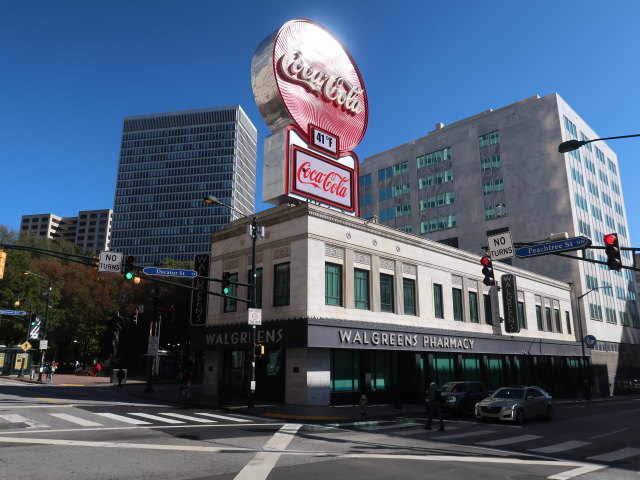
{"points": [[252, 353]]}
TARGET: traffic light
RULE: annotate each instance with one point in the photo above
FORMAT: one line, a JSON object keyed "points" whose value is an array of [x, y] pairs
{"points": [[614, 262], [170, 311], [487, 271], [259, 349], [129, 267], [226, 283], [134, 315], [34, 327], [3, 260]]}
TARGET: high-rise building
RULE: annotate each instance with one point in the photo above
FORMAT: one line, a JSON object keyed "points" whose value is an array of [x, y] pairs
{"points": [[168, 163], [91, 229], [499, 171]]}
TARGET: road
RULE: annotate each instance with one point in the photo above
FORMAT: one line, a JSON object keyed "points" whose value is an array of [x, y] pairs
{"points": [[66, 432]]}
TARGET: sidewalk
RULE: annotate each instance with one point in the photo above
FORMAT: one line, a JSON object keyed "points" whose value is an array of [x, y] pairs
{"points": [[169, 392]]}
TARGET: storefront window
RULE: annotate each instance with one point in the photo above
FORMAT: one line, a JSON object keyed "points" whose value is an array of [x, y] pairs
{"points": [[333, 284], [495, 371], [281, 284], [443, 368], [386, 292], [437, 301], [409, 288], [473, 307], [361, 288], [345, 369], [383, 367], [471, 366], [457, 303]]}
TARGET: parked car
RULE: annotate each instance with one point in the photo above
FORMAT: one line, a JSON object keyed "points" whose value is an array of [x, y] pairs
{"points": [[460, 398], [516, 404]]}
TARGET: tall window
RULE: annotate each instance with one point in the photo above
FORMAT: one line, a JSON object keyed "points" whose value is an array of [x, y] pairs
{"points": [[521, 318], [567, 321], [438, 310], [230, 304], [556, 313], [488, 312], [386, 292], [539, 317], [333, 284], [281, 277], [409, 289], [361, 288], [457, 303], [547, 315], [473, 307]]}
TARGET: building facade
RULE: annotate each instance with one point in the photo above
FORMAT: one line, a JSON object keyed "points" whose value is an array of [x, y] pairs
{"points": [[91, 229], [168, 163], [351, 306], [501, 171]]}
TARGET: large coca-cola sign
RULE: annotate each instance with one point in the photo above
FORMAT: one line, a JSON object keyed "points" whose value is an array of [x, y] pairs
{"points": [[303, 75]]}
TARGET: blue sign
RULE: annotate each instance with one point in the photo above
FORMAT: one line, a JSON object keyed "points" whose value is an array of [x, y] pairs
{"points": [[574, 243], [590, 341], [12, 312], [169, 272]]}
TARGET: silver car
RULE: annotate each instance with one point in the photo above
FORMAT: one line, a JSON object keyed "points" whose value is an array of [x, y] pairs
{"points": [[515, 404]]}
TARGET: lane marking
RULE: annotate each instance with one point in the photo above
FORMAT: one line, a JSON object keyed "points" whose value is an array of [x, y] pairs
{"points": [[510, 440], [560, 447], [15, 418], [187, 417], [223, 417], [157, 417], [576, 472], [122, 418], [260, 466], [610, 433], [616, 455], [76, 420]]}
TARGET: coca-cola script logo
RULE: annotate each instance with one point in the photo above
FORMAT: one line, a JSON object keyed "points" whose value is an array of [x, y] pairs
{"points": [[303, 75], [322, 179]]}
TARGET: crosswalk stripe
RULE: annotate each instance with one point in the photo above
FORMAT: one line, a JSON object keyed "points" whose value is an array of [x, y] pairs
{"points": [[560, 447], [510, 440], [464, 435], [76, 420], [388, 427], [155, 417], [122, 418], [222, 417], [14, 418], [188, 417], [616, 455]]}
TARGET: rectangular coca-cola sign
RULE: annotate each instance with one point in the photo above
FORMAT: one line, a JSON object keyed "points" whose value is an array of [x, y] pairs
{"points": [[322, 179]]}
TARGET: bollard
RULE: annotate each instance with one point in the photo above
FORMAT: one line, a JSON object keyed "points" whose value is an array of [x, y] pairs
{"points": [[364, 401], [32, 375]]}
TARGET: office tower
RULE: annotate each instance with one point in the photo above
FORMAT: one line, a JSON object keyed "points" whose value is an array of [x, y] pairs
{"points": [[501, 171], [168, 163]]}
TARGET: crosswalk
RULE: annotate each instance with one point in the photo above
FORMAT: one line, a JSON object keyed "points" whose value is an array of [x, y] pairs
{"points": [[31, 420]]}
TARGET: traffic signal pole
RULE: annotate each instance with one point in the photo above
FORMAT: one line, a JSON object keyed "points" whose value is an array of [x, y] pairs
{"points": [[252, 304]]}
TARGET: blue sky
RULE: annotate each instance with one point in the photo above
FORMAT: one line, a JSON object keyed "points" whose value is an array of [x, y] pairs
{"points": [[70, 71]]}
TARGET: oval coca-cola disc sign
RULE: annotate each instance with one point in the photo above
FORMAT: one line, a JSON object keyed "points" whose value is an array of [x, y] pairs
{"points": [[302, 74]]}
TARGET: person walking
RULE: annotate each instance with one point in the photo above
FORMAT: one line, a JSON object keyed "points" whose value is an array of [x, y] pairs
{"points": [[53, 368], [98, 369], [120, 376], [434, 406]]}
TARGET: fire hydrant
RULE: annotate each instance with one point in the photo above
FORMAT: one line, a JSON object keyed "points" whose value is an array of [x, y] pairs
{"points": [[364, 401]]}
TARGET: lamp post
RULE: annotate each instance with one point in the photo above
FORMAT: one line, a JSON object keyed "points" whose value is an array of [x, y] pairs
{"points": [[586, 394], [46, 319], [571, 145], [210, 199]]}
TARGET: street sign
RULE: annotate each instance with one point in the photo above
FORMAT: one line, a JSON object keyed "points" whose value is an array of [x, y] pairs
{"points": [[12, 312], [153, 345], [44, 344], [169, 272], [110, 262], [590, 341], [500, 246], [25, 346], [566, 245], [255, 316]]}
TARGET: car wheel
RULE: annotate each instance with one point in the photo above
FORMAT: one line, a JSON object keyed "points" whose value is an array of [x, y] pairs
{"points": [[521, 418], [549, 414]]}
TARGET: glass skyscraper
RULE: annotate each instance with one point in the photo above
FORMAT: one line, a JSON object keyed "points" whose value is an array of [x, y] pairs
{"points": [[168, 163]]}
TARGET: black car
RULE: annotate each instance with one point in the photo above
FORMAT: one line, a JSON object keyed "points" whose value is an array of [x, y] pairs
{"points": [[460, 398]]}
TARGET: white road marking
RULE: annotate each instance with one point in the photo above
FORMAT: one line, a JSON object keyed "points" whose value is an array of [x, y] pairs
{"points": [[156, 417], [261, 465], [14, 418], [465, 435], [121, 418], [616, 455], [560, 447], [576, 472], [187, 417], [223, 417], [610, 433], [388, 427], [76, 420], [510, 440]]}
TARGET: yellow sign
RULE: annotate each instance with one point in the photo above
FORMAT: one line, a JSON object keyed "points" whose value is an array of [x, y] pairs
{"points": [[25, 346]]}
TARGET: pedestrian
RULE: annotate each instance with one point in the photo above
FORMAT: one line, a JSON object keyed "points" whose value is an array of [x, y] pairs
{"points": [[98, 369], [120, 376], [77, 369], [434, 406], [47, 371], [53, 368], [186, 384]]}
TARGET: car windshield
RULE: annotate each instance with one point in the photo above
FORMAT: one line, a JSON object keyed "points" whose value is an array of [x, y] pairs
{"points": [[509, 393], [451, 387]]}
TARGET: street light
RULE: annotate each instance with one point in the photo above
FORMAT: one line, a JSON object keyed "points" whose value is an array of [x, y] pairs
{"points": [[571, 145], [211, 200], [586, 394], [46, 318]]}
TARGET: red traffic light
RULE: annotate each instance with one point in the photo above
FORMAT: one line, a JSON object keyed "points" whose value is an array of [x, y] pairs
{"points": [[485, 261], [610, 239]]}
